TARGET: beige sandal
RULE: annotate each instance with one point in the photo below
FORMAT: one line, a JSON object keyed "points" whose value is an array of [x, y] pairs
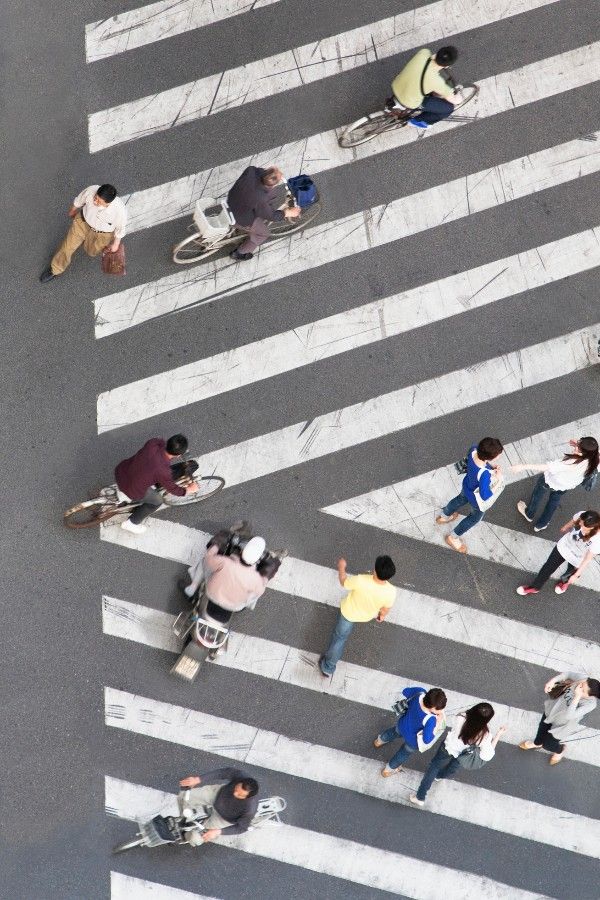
{"points": [[443, 520], [529, 745], [556, 758], [455, 543]]}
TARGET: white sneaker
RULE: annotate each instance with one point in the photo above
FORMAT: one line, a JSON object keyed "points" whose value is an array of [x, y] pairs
{"points": [[127, 525], [414, 799], [522, 506], [539, 527]]}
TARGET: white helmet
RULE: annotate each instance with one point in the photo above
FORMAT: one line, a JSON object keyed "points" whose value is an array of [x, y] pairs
{"points": [[253, 550]]}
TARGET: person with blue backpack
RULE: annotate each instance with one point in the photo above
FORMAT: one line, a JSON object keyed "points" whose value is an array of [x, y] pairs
{"points": [[420, 723], [481, 487]]}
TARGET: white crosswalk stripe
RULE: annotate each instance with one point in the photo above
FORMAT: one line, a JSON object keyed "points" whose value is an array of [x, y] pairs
{"points": [[291, 665], [403, 408], [404, 508], [156, 21], [373, 322], [359, 863], [294, 68], [409, 507], [321, 152], [419, 612], [353, 234], [127, 887], [266, 749]]}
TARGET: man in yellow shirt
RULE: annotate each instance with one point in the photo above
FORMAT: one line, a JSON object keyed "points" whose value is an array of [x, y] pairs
{"points": [[420, 86], [370, 596]]}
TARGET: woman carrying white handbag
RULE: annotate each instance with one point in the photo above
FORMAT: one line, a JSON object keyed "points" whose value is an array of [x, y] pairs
{"points": [[481, 487]]}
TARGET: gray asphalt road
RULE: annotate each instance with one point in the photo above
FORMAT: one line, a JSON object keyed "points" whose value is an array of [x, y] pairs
{"points": [[55, 659]]}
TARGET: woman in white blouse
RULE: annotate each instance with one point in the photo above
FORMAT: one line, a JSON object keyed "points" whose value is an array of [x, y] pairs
{"points": [[468, 733], [557, 478]]}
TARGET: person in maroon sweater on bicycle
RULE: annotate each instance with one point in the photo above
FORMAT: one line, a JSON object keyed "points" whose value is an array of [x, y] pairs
{"points": [[138, 476]]}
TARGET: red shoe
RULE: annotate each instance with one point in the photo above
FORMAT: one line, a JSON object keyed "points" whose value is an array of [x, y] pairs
{"points": [[561, 587], [523, 590]]}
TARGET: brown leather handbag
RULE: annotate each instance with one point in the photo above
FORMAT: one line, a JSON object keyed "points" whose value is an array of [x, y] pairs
{"points": [[114, 263]]}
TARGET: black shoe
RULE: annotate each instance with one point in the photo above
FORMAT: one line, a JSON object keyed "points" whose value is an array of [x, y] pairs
{"points": [[182, 584], [47, 275], [241, 256]]}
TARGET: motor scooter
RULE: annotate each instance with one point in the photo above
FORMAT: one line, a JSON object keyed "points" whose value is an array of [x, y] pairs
{"points": [[205, 627], [161, 830]]}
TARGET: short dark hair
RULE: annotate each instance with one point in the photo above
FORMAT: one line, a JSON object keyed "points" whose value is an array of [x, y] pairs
{"points": [[384, 568], [177, 444], [435, 698], [106, 192], [594, 687], [250, 785], [446, 56], [489, 448]]}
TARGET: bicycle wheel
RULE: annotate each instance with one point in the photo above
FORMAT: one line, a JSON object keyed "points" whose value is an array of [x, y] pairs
{"points": [[191, 249], [129, 845], [468, 91], [308, 215], [90, 512], [208, 486], [368, 127]]}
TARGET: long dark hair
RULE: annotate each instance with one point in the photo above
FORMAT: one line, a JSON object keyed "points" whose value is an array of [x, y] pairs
{"points": [[475, 726], [588, 447], [590, 519]]}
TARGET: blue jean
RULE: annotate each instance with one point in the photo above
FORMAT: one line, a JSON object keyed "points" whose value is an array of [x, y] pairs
{"points": [[434, 109], [537, 495], [403, 753], [442, 765], [341, 633], [475, 516]]}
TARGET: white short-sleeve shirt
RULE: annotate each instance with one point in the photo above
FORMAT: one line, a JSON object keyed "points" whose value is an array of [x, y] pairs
{"points": [[573, 546], [565, 474]]}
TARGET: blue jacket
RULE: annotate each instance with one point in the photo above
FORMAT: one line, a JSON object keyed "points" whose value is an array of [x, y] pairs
{"points": [[411, 723], [477, 478]]}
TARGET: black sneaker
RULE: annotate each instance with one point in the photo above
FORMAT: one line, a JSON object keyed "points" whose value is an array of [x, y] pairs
{"points": [[242, 257], [47, 275]]}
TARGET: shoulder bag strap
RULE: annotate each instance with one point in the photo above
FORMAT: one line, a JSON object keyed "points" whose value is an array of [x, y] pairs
{"points": [[423, 73]]}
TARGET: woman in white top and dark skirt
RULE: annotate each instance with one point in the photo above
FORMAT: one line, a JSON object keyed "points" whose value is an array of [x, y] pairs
{"points": [[468, 737], [571, 696], [577, 548], [557, 478]]}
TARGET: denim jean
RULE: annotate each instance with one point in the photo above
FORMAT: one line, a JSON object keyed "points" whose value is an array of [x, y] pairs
{"points": [[403, 753], [475, 516], [434, 109], [341, 633], [442, 765], [536, 498]]}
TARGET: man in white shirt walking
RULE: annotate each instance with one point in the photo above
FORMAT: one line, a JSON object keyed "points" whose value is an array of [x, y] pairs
{"points": [[99, 220]]}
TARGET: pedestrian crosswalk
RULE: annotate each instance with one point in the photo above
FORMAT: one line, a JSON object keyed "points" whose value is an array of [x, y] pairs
{"points": [[513, 810]]}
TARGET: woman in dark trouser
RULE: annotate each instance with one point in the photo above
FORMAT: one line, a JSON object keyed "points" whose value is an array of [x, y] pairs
{"points": [[571, 696], [469, 734], [578, 546]]}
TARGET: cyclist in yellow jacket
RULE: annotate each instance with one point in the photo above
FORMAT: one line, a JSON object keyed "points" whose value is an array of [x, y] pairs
{"points": [[420, 86]]}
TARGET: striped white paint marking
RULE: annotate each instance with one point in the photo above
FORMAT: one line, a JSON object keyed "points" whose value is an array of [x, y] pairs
{"points": [[295, 68], [157, 21], [351, 235], [321, 152], [419, 612], [126, 887], [409, 507], [348, 330], [253, 746], [389, 413], [328, 855], [291, 665]]}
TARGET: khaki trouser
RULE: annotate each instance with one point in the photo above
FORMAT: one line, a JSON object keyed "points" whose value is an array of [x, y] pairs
{"points": [[257, 233], [203, 796], [79, 233]]}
